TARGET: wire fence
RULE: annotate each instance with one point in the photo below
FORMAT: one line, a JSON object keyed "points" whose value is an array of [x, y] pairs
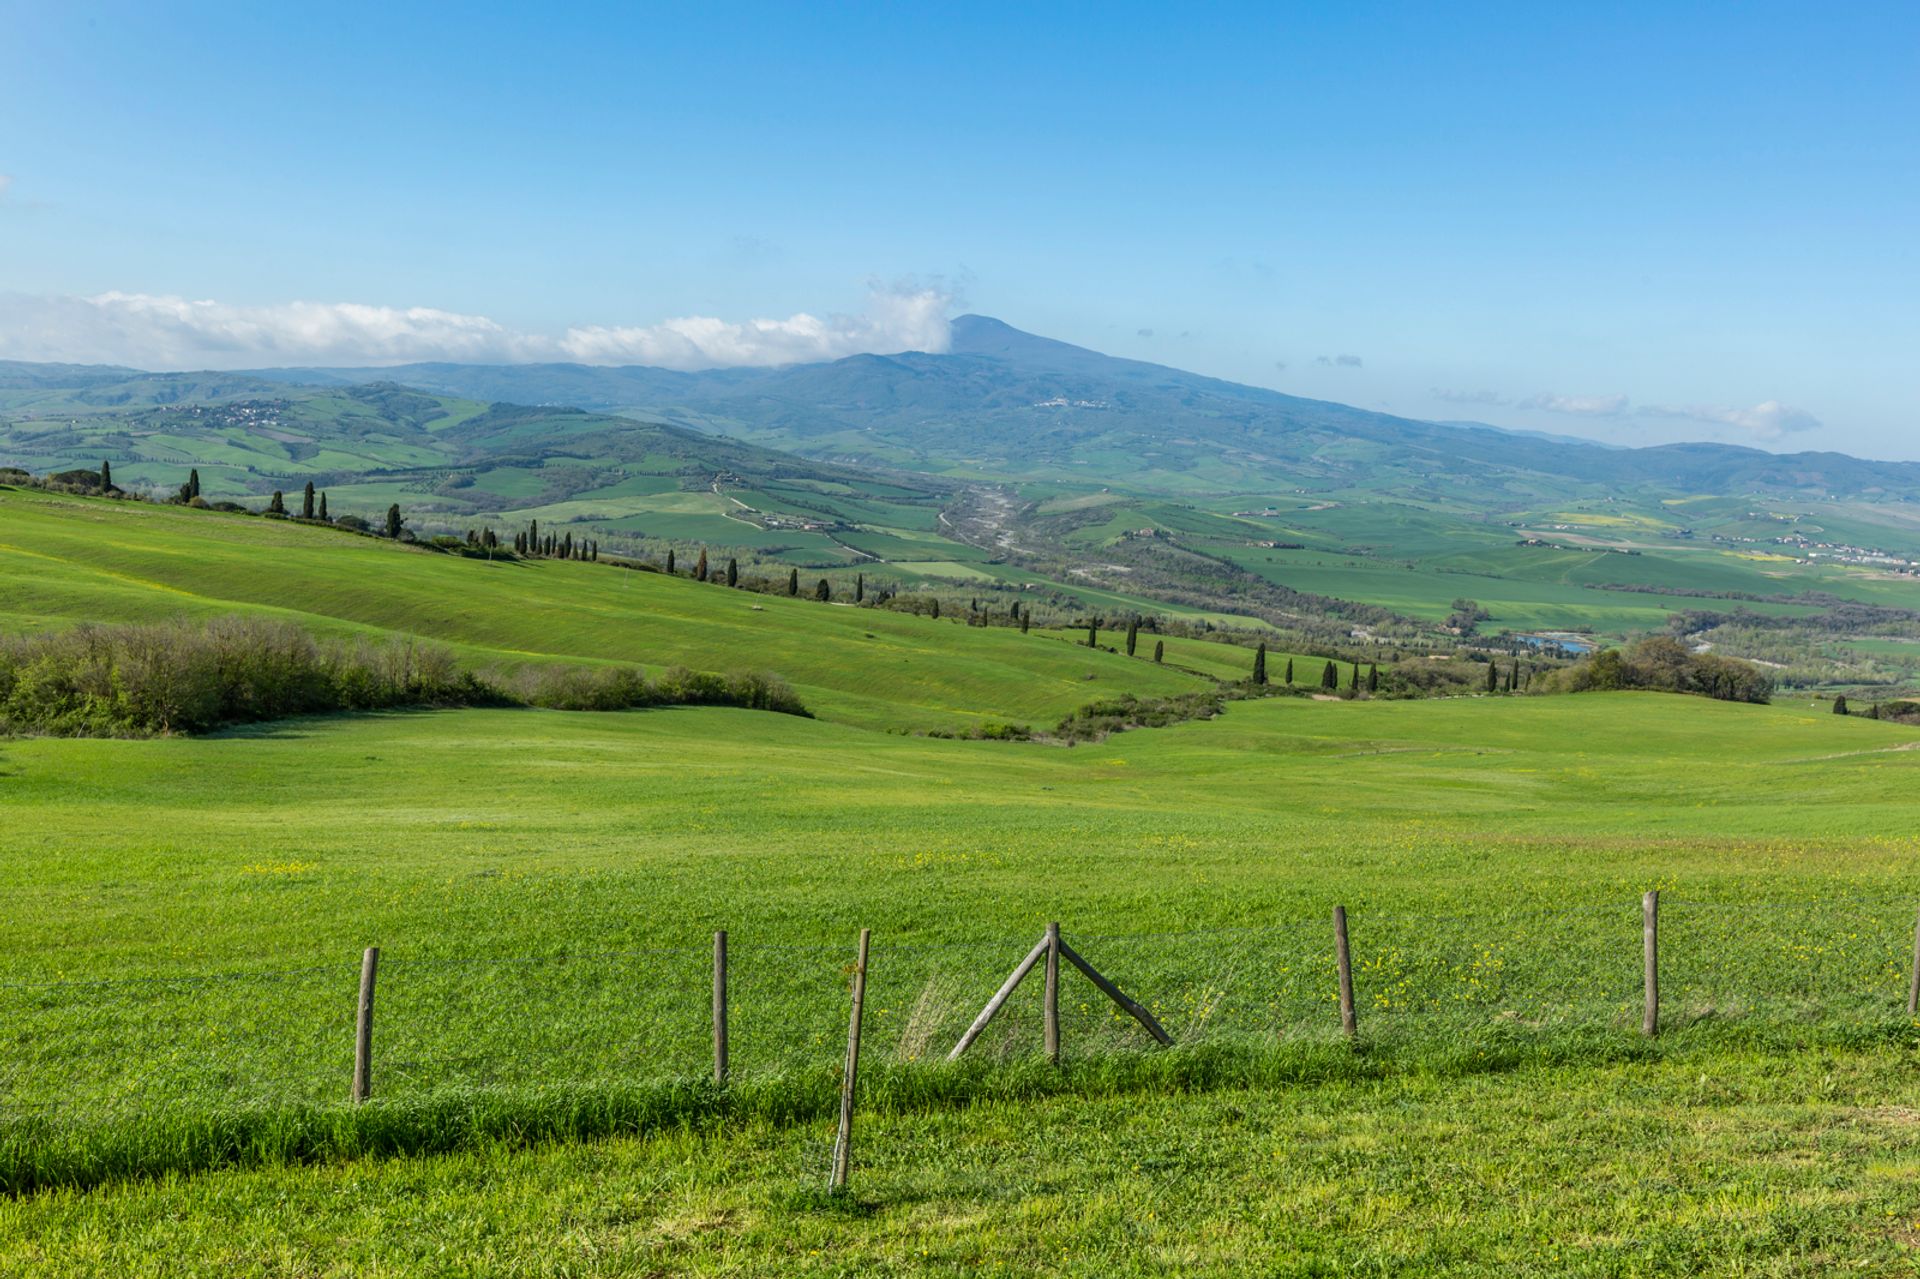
{"points": [[112, 1050]]}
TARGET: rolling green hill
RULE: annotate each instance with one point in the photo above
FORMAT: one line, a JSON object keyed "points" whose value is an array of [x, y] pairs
{"points": [[66, 560], [1060, 459], [1015, 468]]}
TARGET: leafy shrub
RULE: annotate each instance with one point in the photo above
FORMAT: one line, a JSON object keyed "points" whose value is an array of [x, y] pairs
{"points": [[1118, 714], [1663, 664], [189, 677]]}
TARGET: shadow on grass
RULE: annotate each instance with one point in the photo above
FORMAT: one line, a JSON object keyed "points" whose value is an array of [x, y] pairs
{"points": [[41, 1153]]}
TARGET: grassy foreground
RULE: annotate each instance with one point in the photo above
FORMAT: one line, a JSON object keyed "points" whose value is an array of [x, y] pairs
{"points": [[1803, 1165]]}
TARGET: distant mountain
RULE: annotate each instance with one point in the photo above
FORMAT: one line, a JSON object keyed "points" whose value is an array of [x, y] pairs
{"points": [[1001, 401]]}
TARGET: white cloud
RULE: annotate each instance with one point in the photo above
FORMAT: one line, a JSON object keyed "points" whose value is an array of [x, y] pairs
{"points": [[1492, 398], [1771, 420], [1578, 405], [160, 332], [1338, 361]]}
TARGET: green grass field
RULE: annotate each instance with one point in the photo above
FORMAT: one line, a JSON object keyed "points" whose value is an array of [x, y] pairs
{"points": [[64, 560], [189, 915]]}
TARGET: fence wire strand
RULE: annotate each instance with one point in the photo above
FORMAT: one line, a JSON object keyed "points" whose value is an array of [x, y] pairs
{"points": [[102, 1049]]}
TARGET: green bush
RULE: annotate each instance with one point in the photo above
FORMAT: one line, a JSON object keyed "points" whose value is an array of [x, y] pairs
{"points": [[189, 677], [1664, 665]]}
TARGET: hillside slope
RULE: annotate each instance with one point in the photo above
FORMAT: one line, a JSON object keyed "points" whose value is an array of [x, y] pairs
{"points": [[66, 560]]}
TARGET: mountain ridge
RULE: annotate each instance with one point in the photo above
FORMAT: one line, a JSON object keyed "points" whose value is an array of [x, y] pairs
{"points": [[1006, 401]]}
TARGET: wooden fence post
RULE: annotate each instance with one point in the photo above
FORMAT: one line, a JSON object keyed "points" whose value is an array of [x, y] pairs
{"points": [[720, 1007], [1913, 983], [1348, 1021], [1053, 994], [1650, 934], [363, 1028], [843, 1143]]}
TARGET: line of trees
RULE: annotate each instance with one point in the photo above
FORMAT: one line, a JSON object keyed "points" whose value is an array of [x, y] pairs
{"points": [[531, 543]]}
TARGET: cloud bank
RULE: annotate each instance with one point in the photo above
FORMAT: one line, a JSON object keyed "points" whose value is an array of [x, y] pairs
{"points": [[1578, 405], [1768, 421], [164, 332]]}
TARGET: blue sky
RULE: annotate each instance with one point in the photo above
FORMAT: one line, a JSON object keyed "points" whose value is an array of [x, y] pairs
{"points": [[1634, 223]]}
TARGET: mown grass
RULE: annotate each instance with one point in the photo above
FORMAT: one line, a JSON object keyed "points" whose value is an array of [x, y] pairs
{"points": [[1723, 1164], [543, 886]]}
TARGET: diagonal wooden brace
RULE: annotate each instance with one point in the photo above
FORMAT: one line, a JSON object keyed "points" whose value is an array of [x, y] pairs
{"points": [[1000, 997]]}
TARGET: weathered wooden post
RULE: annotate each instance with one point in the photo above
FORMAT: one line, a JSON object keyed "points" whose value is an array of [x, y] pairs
{"points": [[1348, 1021], [1913, 983], [843, 1143], [1053, 994], [1650, 935], [363, 1028], [720, 1007]]}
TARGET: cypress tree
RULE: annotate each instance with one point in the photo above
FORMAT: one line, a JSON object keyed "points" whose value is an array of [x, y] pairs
{"points": [[1133, 635], [733, 571], [936, 608], [596, 550], [1260, 663], [1329, 676], [1513, 677], [822, 591], [669, 559], [306, 501], [1159, 650], [860, 588], [1373, 679], [793, 581], [1493, 677], [394, 521], [106, 476], [323, 509], [1839, 703], [1353, 685], [1026, 617], [193, 482], [700, 568], [278, 506], [1289, 671], [1093, 632], [533, 537]]}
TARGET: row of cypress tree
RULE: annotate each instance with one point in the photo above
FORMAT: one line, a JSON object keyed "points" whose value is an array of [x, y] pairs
{"points": [[1329, 673]]}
